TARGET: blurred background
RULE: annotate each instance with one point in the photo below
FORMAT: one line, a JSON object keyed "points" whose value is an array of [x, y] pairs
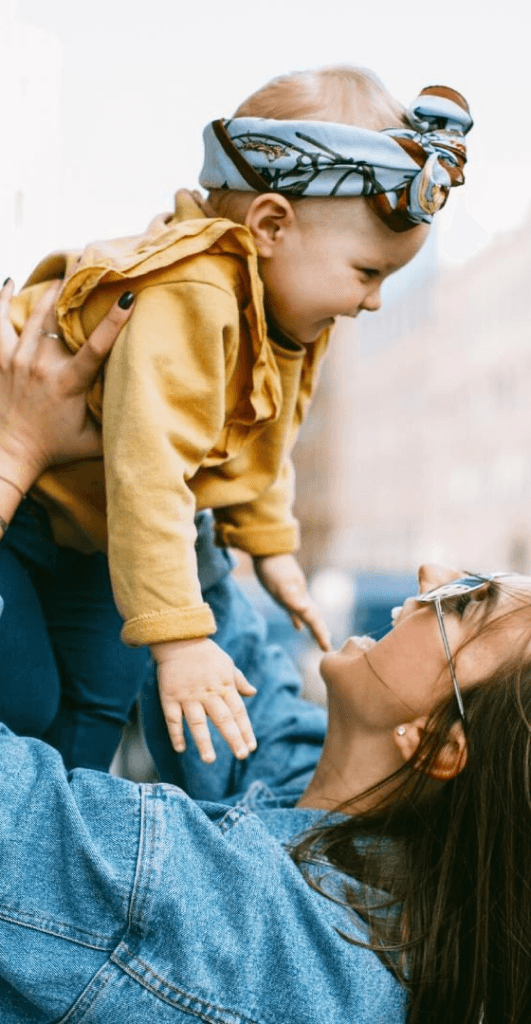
{"points": [[418, 445]]}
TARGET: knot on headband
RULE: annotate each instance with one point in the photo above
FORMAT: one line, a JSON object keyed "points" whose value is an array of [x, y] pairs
{"points": [[405, 173]]}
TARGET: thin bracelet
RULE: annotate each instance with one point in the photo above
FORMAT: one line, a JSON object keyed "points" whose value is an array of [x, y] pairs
{"points": [[3, 526], [13, 484]]}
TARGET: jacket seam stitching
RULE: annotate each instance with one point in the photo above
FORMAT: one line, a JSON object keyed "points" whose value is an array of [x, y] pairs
{"points": [[135, 912], [232, 818], [106, 945], [209, 1007]]}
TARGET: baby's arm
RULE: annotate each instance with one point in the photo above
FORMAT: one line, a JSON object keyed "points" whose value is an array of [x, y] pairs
{"points": [[163, 411]]}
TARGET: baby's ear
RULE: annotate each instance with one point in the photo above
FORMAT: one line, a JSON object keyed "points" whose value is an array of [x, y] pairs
{"points": [[451, 758], [268, 218]]}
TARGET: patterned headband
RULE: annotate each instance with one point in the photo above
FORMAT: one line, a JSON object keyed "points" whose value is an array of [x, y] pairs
{"points": [[405, 173]]}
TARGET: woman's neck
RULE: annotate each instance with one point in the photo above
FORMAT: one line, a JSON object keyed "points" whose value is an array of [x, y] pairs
{"points": [[353, 760]]}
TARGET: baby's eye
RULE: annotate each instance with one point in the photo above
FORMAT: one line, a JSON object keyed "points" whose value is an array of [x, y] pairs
{"points": [[369, 272]]}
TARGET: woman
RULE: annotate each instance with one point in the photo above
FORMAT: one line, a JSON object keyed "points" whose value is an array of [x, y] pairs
{"points": [[409, 901]]}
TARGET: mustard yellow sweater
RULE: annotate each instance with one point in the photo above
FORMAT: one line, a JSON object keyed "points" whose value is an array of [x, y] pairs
{"points": [[199, 408]]}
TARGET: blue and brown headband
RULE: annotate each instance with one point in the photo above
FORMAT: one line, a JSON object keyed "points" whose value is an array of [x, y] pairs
{"points": [[405, 173]]}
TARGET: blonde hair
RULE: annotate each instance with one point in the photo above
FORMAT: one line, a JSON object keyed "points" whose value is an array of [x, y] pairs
{"points": [[342, 93]]}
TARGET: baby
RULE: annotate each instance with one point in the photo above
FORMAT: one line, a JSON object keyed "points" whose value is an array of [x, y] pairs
{"points": [[318, 188]]}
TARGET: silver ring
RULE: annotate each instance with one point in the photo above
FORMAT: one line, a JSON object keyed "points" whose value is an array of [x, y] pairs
{"points": [[50, 334]]}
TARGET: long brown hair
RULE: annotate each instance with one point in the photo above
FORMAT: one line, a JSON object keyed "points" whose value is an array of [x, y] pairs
{"points": [[454, 859]]}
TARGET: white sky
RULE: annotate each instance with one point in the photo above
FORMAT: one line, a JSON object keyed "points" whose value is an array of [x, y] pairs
{"points": [[142, 77]]}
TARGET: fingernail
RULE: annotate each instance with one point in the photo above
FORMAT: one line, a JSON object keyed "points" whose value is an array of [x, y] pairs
{"points": [[7, 280], [242, 752], [126, 300]]}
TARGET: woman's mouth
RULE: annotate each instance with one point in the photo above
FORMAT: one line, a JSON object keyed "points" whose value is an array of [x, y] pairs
{"points": [[362, 643], [395, 612]]}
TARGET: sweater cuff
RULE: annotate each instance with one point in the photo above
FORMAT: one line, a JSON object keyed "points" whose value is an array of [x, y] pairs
{"points": [[174, 624], [259, 540]]}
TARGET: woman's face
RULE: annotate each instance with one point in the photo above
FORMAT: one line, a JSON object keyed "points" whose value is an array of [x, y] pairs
{"points": [[405, 674]]}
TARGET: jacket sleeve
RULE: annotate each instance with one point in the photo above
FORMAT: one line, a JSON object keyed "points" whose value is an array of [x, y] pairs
{"points": [[265, 526], [163, 408]]}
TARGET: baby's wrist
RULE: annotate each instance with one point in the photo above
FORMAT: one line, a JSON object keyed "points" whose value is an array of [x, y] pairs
{"points": [[167, 650]]}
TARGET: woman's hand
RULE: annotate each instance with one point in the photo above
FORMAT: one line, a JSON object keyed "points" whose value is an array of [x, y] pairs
{"points": [[43, 413]]}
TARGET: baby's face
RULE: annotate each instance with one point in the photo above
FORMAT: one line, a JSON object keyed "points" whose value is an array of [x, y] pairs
{"points": [[329, 267]]}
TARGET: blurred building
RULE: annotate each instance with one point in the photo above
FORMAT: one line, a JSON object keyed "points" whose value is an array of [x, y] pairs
{"points": [[428, 436], [330, 467]]}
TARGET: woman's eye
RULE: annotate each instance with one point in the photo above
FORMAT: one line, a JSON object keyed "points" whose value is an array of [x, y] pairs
{"points": [[461, 603]]}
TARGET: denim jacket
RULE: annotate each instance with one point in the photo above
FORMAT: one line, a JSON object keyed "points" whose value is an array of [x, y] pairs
{"points": [[148, 904]]}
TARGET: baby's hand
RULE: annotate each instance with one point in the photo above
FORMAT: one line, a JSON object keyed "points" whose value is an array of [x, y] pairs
{"points": [[283, 578], [196, 678]]}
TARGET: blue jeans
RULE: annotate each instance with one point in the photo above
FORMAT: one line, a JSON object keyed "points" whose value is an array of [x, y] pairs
{"points": [[65, 675]]}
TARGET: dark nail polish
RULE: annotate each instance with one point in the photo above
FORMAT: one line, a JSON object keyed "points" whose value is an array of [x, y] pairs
{"points": [[7, 280], [125, 300]]}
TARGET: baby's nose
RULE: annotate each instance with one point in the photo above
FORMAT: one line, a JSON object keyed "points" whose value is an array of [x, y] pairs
{"points": [[373, 301]]}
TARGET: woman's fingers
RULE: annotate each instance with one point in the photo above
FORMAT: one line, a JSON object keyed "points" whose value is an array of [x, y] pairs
{"points": [[31, 339], [6, 291], [88, 361], [8, 335]]}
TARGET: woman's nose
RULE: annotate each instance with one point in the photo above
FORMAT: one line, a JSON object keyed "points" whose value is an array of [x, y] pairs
{"points": [[431, 576]]}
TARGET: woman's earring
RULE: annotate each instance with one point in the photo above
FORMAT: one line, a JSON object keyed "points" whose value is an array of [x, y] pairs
{"points": [[401, 730]]}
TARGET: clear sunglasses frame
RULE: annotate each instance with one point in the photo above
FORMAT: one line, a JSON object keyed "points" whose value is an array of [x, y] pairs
{"points": [[437, 597]]}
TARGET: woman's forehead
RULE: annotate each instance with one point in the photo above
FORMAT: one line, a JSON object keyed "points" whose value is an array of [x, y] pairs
{"points": [[512, 594], [513, 582], [516, 589]]}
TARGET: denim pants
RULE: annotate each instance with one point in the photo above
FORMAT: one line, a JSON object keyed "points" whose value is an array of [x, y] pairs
{"points": [[65, 675]]}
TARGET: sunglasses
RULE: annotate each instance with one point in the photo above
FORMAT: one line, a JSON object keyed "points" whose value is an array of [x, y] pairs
{"points": [[447, 592]]}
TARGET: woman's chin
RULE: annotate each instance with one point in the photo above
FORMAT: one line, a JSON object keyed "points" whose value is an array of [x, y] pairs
{"points": [[354, 645]]}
